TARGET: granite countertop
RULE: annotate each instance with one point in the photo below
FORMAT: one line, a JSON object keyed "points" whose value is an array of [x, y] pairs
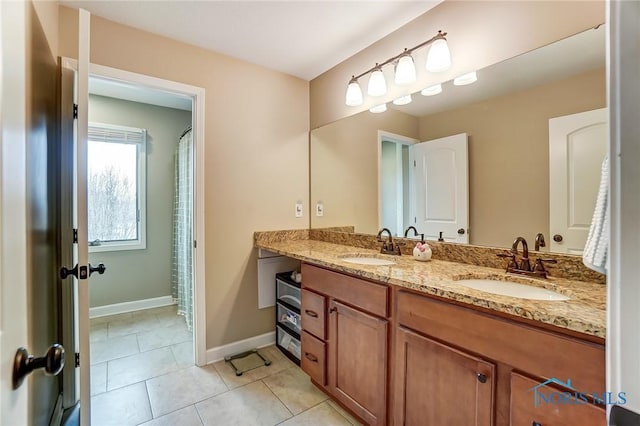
{"points": [[584, 312]]}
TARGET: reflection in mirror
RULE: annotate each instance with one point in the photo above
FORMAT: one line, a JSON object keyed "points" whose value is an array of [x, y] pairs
{"points": [[506, 115]]}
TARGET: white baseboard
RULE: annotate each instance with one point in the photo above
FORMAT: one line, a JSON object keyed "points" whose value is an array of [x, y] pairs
{"points": [[218, 353], [136, 305]]}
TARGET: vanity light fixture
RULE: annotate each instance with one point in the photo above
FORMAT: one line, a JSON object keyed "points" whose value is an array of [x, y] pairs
{"points": [[438, 60], [402, 100], [465, 79], [354, 94], [439, 57], [405, 70], [377, 83], [378, 108], [432, 90]]}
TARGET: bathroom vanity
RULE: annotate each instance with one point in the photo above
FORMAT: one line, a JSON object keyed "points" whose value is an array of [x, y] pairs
{"points": [[407, 344]]}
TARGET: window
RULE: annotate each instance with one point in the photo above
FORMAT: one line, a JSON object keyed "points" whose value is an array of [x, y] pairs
{"points": [[116, 188]]}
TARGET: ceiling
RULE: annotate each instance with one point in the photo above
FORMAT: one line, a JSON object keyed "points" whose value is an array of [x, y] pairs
{"points": [[301, 38]]}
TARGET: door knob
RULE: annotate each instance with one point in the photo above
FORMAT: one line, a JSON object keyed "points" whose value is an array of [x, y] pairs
{"points": [[557, 238], [65, 272], [24, 363], [99, 269]]}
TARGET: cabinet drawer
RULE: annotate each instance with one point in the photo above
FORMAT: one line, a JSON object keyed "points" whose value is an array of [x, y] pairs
{"points": [[287, 293], [313, 358], [365, 295], [538, 352], [288, 342], [313, 313], [527, 410], [289, 319]]}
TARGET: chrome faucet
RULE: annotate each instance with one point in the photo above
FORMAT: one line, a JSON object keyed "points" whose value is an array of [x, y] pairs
{"points": [[524, 268], [388, 246], [415, 233]]}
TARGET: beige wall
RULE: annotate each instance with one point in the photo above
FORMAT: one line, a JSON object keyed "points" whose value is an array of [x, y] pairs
{"points": [[256, 157], [142, 274], [344, 168], [481, 33], [47, 13], [509, 154]]}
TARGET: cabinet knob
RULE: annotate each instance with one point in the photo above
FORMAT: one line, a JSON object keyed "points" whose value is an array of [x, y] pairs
{"points": [[481, 378], [534, 423], [332, 309], [557, 238]]}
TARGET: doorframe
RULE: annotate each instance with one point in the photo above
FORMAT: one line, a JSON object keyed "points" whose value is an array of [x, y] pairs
{"points": [[398, 140], [198, 121]]}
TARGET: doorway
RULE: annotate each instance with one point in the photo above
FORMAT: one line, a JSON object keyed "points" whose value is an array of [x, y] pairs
{"points": [[141, 322], [394, 185], [140, 215]]}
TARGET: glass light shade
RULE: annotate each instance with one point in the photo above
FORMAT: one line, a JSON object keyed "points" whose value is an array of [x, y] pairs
{"points": [[377, 83], [354, 94], [432, 90], [405, 71], [402, 100], [378, 108], [465, 79], [439, 57]]}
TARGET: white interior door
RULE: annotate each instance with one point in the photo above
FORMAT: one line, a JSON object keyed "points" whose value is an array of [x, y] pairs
{"points": [[440, 188], [13, 251], [80, 203], [577, 146]]}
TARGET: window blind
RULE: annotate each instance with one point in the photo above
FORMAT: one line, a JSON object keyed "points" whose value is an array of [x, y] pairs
{"points": [[116, 134]]}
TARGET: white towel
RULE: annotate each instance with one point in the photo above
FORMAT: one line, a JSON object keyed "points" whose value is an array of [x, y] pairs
{"points": [[596, 249]]}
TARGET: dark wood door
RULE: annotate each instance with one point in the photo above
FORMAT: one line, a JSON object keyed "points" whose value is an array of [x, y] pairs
{"points": [[42, 177], [357, 348], [439, 385]]}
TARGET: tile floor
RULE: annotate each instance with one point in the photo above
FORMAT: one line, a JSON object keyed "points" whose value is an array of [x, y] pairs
{"points": [[142, 372]]}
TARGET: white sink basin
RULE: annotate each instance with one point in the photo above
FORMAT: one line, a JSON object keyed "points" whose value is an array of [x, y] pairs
{"points": [[368, 260], [508, 288]]}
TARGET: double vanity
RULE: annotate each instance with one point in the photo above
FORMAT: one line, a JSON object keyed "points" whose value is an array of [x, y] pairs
{"points": [[397, 341]]}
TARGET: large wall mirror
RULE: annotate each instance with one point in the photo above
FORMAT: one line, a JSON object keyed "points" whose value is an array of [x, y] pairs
{"points": [[361, 174]]}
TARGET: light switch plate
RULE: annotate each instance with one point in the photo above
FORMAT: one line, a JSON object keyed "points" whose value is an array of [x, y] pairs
{"points": [[319, 209], [299, 209]]}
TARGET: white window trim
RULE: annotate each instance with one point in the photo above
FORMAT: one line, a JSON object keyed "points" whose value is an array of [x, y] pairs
{"points": [[141, 242]]}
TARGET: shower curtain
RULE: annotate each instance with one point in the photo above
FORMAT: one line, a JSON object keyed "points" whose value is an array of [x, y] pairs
{"points": [[182, 253]]}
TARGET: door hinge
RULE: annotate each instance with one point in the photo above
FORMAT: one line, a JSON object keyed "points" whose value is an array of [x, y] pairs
{"points": [[415, 220], [195, 244], [77, 359], [414, 163], [75, 111], [75, 236]]}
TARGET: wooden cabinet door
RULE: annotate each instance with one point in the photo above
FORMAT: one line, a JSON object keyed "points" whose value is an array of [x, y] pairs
{"points": [[357, 351], [439, 385]]}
